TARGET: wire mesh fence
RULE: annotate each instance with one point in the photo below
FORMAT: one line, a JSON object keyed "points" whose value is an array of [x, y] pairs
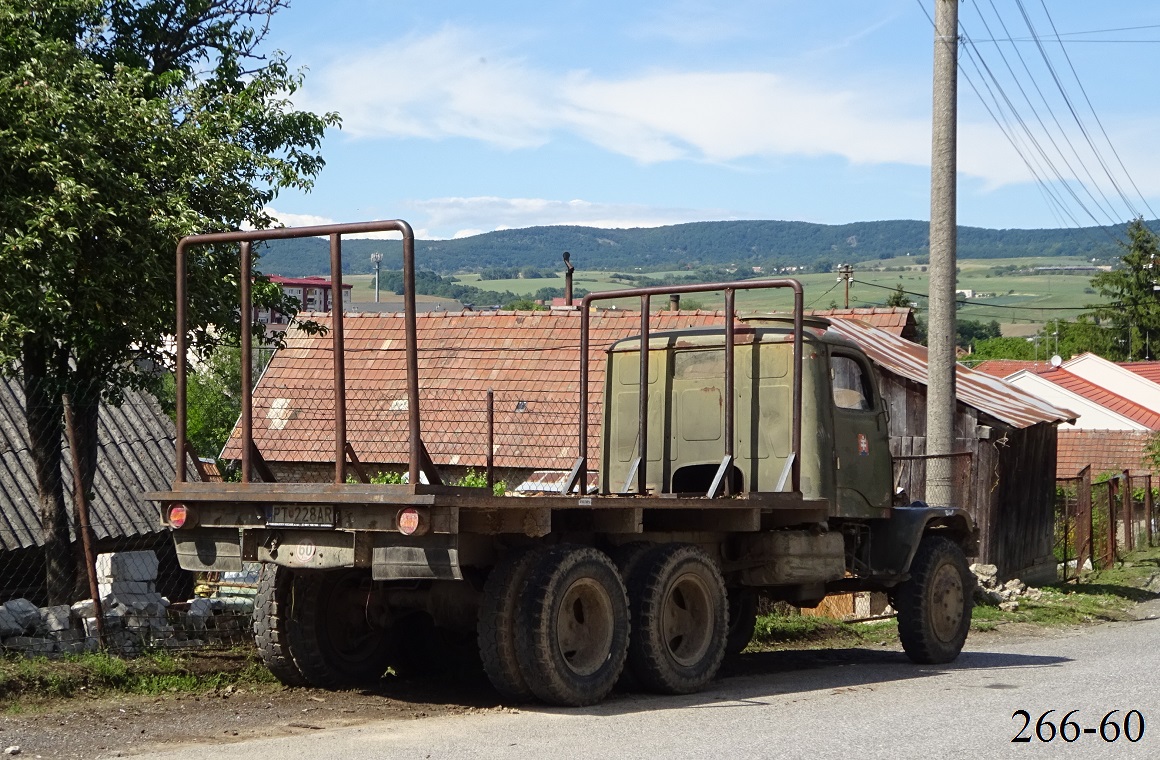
{"points": [[1097, 522], [85, 561]]}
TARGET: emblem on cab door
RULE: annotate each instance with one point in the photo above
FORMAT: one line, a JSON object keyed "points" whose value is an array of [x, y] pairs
{"points": [[863, 445]]}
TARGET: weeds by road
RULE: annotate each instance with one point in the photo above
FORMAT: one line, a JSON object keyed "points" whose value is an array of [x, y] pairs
{"points": [[1098, 597]]}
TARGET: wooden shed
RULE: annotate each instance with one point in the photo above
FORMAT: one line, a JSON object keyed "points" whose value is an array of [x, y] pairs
{"points": [[1008, 479]]}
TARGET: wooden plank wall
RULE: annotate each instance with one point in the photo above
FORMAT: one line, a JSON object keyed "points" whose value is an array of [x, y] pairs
{"points": [[1012, 479]]}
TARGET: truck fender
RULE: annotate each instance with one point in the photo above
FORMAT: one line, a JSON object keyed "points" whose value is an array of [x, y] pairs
{"points": [[894, 540]]}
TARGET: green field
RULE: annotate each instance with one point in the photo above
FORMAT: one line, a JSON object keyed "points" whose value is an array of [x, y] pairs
{"points": [[1001, 296]]}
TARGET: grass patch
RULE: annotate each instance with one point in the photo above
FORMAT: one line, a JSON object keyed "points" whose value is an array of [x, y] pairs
{"points": [[1102, 596], [97, 674]]}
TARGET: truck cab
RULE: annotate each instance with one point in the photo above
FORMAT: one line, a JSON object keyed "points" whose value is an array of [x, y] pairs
{"points": [[845, 452]]}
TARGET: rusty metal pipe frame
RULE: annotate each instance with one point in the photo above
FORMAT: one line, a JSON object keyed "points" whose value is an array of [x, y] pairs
{"points": [[333, 231], [642, 411], [729, 289]]}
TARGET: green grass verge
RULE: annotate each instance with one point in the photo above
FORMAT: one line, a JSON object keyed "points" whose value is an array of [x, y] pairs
{"points": [[1102, 596], [98, 674]]}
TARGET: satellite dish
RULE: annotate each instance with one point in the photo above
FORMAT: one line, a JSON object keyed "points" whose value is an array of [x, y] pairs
{"points": [[1056, 360]]}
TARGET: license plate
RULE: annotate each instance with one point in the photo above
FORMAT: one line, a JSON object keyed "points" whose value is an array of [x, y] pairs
{"points": [[300, 515]]}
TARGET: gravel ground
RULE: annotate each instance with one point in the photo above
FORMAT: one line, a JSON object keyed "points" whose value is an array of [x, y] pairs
{"points": [[83, 728], [88, 728]]}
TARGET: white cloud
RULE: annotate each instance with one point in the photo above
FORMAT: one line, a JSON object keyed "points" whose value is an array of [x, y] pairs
{"points": [[459, 83], [288, 219], [472, 216]]}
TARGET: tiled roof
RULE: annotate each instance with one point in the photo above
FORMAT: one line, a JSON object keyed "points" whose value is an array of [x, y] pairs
{"points": [[897, 320], [1104, 450], [135, 455], [1146, 370], [989, 394], [529, 359], [1104, 397], [1008, 367]]}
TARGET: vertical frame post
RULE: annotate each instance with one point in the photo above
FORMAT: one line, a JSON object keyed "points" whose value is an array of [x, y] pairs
{"points": [[642, 411], [337, 344], [247, 349], [730, 340]]}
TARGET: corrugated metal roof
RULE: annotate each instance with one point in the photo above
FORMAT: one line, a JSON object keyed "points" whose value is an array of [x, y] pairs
{"points": [[992, 395], [135, 455]]}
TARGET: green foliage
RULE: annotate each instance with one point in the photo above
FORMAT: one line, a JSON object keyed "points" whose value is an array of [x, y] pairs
{"points": [[475, 479], [899, 298], [970, 332], [1152, 452], [524, 304], [385, 478], [1134, 308], [1003, 348]]}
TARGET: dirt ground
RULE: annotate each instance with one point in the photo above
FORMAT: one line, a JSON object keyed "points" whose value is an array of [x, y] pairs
{"points": [[88, 728]]}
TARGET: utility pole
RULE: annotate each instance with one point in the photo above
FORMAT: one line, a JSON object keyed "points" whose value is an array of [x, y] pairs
{"points": [[846, 272], [940, 401], [376, 259]]}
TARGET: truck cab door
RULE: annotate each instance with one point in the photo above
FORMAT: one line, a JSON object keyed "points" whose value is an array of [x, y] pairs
{"points": [[861, 438]]}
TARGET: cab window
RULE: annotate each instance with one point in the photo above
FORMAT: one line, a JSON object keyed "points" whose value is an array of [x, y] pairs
{"points": [[851, 384]]}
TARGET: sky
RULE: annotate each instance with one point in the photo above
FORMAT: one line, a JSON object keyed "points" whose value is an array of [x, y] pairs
{"points": [[467, 117]]}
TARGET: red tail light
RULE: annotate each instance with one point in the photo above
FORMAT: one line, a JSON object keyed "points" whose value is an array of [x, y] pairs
{"points": [[178, 515], [408, 520]]}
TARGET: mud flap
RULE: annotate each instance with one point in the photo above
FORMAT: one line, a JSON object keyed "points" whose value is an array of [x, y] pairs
{"points": [[431, 557], [209, 550]]}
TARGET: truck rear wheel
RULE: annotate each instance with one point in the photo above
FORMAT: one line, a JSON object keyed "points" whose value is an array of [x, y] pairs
{"points": [[271, 605], [572, 637], [742, 620], [497, 624], [679, 619], [333, 643], [934, 606]]}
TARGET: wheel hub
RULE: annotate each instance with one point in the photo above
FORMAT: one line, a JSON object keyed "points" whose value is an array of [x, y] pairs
{"points": [[946, 602], [686, 619], [584, 626]]}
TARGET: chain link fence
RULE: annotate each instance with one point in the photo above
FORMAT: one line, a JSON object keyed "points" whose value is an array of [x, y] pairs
{"points": [[85, 562]]}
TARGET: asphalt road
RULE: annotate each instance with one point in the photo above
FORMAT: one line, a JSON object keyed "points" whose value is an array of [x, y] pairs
{"points": [[864, 704]]}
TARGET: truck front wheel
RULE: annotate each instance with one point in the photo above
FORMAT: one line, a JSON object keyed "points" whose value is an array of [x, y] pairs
{"points": [[934, 606], [572, 636], [680, 619], [333, 643]]}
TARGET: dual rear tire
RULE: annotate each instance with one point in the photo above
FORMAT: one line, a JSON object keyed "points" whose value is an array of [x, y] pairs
{"points": [[555, 623]]}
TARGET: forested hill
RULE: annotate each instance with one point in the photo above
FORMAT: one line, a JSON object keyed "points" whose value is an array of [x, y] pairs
{"points": [[746, 243]]}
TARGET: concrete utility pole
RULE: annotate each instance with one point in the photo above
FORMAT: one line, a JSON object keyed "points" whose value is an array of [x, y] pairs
{"points": [[846, 272], [940, 401], [376, 259]]}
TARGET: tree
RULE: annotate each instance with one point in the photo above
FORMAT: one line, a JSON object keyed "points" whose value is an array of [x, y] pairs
{"points": [[1133, 310], [124, 125], [969, 331], [898, 298]]}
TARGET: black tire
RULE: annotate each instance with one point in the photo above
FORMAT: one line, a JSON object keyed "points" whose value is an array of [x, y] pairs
{"points": [[572, 637], [496, 629], [271, 604], [331, 640], [934, 605], [626, 557], [742, 620], [679, 619]]}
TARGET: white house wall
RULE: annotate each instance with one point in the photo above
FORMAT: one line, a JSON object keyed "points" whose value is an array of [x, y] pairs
{"points": [[1116, 379], [1091, 416]]}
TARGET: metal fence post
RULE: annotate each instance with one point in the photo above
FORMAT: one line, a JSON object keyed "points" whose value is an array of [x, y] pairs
{"points": [[1084, 548], [1129, 513], [1148, 505], [1110, 555]]}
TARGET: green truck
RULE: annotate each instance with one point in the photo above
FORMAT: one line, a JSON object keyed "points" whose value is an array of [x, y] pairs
{"points": [[740, 461]]}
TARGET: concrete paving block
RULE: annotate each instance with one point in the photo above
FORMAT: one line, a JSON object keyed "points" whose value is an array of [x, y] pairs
{"points": [[127, 588], [127, 566], [26, 614], [55, 618], [30, 644], [9, 625]]}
